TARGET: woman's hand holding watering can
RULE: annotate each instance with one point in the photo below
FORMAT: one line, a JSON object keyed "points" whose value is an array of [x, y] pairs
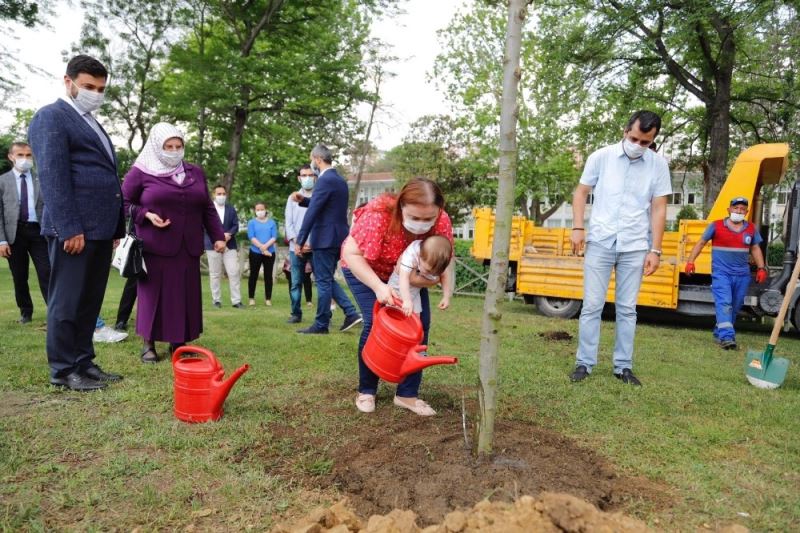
{"points": [[384, 294]]}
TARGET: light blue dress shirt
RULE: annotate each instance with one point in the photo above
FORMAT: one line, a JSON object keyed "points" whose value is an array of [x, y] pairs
{"points": [[623, 192], [31, 193]]}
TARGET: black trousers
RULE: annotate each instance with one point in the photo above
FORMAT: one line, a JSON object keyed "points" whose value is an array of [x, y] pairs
{"points": [[126, 301], [28, 243], [256, 260], [77, 285]]}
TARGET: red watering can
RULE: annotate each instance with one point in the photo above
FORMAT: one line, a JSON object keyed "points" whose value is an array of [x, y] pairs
{"points": [[392, 348], [199, 388]]}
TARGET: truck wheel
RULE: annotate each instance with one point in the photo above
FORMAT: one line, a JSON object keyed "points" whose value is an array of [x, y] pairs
{"points": [[558, 307]]}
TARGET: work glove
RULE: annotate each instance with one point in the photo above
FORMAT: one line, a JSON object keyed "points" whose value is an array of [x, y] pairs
{"points": [[761, 275], [689, 269]]}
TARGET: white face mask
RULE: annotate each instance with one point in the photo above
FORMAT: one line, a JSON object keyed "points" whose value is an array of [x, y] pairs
{"points": [[220, 199], [87, 101], [171, 159], [23, 164], [417, 227], [634, 151], [261, 214], [307, 182], [737, 217]]}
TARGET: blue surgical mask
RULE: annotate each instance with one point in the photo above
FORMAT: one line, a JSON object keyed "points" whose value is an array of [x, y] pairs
{"points": [[307, 182]]}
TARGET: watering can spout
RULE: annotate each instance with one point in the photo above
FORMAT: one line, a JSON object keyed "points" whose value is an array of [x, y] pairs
{"points": [[220, 388], [414, 362]]}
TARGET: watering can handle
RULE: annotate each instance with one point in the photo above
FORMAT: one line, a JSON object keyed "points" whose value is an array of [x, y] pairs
{"points": [[195, 349]]}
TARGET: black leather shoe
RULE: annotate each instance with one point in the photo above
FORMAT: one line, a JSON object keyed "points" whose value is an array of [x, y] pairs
{"points": [[313, 331], [78, 382], [24, 319], [294, 319], [218, 305], [238, 306], [627, 377], [96, 373], [580, 373], [351, 321]]}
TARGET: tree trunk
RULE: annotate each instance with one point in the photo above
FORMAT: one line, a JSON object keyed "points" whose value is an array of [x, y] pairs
{"points": [[719, 143], [362, 161], [498, 271], [240, 115]]}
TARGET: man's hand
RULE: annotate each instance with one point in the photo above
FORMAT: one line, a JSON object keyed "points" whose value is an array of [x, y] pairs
{"points": [[156, 220], [227, 237], [5, 250], [689, 268], [445, 303], [761, 275], [577, 238], [74, 245], [219, 247], [297, 197], [306, 248], [298, 250], [651, 263]]}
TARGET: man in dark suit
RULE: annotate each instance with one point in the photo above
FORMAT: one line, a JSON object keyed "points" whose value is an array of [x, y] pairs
{"points": [[82, 217], [326, 220], [20, 212], [230, 257]]}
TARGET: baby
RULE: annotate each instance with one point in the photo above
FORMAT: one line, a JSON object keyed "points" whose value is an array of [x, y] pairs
{"points": [[429, 258]]}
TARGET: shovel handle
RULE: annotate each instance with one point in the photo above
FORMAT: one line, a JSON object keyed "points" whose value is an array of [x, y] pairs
{"points": [[787, 297]]}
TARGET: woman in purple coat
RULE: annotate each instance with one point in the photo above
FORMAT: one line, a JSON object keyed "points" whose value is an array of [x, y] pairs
{"points": [[170, 205]]}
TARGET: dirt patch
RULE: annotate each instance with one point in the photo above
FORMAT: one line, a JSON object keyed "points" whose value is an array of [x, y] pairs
{"points": [[551, 512], [394, 459], [556, 336]]}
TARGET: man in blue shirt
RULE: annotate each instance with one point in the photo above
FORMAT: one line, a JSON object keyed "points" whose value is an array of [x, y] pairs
{"points": [[630, 184]]}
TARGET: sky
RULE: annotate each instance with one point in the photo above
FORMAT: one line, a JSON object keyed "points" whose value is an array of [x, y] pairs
{"points": [[408, 95]]}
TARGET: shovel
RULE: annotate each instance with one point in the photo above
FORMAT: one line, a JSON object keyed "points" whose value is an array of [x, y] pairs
{"points": [[761, 369]]}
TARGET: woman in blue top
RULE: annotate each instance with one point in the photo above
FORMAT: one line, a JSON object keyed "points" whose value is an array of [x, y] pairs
{"points": [[262, 232]]}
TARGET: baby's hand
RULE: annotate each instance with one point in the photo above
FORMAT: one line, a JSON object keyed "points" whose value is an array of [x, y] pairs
{"points": [[444, 304], [408, 307]]}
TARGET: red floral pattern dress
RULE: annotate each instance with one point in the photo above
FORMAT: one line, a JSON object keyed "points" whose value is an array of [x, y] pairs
{"points": [[380, 248]]}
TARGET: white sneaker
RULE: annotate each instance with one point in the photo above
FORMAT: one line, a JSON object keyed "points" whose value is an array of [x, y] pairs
{"points": [[106, 334]]}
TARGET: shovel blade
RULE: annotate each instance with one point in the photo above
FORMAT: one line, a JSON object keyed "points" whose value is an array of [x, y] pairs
{"points": [[764, 371]]}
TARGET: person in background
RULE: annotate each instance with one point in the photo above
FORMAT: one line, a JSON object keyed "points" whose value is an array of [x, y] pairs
{"points": [[21, 207], [262, 233], [294, 215], [81, 219], [170, 205], [103, 333], [325, 227], [630, 184], [126, 302], [733, 240], [230, 257], [381, 231]]}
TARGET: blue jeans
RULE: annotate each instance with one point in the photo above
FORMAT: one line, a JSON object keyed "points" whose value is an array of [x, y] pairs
{"points": [[597, 264], [298, 263], [324, 261], [367, 379], [729, 292]]}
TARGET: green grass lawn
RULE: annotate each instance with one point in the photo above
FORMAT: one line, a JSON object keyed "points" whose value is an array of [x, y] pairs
{"points": [[118, 459]]}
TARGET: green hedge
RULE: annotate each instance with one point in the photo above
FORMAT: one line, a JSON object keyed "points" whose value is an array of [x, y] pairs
{"points": [[775, 254]]}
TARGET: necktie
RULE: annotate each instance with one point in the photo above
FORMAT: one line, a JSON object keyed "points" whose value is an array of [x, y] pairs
{"points": [[23, 198]]}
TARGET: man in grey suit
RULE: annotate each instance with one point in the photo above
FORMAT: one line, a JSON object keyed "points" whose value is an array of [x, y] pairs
{"points": [[20, 212], [82, 217]]}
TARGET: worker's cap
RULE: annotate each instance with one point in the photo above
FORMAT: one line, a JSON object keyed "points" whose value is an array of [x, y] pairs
{"points": [[739, 200]]}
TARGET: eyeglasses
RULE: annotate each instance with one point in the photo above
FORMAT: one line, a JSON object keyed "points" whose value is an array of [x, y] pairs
{"points": [[306, 175]]}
